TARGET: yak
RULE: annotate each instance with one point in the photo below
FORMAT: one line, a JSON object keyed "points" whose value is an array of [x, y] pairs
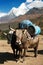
{"points": [[21, 39]]}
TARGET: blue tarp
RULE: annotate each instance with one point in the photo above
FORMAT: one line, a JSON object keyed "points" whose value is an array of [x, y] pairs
{"points": [[37, 30], [25, 23]]}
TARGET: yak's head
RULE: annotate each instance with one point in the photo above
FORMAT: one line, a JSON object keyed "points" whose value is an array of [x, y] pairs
{"points": [[8, 35]]}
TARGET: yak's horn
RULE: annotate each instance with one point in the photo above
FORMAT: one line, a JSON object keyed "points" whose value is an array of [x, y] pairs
{"points": [[12, 29], [5, 33]]}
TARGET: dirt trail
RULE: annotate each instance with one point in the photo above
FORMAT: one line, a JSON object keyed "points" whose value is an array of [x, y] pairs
{"points": [[6, 55]]}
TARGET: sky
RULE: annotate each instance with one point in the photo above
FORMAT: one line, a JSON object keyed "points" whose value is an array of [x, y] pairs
{"points": [[7, 5]]}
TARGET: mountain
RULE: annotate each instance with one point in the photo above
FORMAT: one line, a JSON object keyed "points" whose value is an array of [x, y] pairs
{"points": [[35, 11], [2, 14], [36, 4], [14, 13], [7, 18], [23, 9]]}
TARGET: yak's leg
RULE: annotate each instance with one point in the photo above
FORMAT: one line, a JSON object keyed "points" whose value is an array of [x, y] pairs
{"points": [[13, 50], [16, 52], [20, 53], [24, 54], [35, 51]]}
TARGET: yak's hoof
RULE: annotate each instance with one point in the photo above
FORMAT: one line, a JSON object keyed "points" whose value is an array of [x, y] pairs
{"points": [[21, 60], [35, 55], [18, 61]]}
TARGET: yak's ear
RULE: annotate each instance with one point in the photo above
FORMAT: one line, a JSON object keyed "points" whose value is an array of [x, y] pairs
{"points": [[5, 33]]}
